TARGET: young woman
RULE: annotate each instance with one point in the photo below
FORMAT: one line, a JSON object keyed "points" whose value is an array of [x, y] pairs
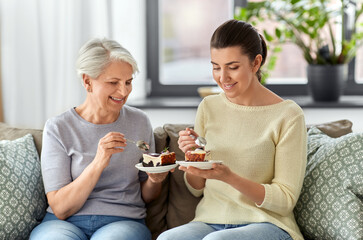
{"points": [[261, 139], [92, 186]]}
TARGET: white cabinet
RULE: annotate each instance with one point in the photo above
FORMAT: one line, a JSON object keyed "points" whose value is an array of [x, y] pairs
{"points": [[160, 116], [321, 115], [163, 110]]}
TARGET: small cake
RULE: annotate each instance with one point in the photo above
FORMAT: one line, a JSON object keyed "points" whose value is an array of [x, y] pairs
{"points": [[158, 159], [196, 155]]}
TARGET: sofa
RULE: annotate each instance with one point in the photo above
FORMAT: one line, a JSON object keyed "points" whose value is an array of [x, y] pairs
{"points": [[330, 205]]}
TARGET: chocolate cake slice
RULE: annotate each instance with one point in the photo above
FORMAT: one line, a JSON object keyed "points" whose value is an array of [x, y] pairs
{"points": [[158, 159]]}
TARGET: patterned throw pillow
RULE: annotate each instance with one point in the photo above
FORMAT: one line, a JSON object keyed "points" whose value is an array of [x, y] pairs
{"points": [[22, 199], [331, 202]]}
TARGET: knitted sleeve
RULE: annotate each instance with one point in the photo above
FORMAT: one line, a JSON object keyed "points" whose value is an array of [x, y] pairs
{"points": [[290, 162]]}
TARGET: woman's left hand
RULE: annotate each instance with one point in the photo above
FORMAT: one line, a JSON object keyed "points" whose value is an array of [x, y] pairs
{"points": [[218, 172], [253, 190], [158, 177]]}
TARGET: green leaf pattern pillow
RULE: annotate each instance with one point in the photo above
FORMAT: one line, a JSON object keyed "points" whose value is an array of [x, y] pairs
{"points": [[331, 202], [22, 198]]}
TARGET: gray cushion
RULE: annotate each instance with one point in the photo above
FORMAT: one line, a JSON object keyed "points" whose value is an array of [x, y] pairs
{"points": [[22, 198], [157, 209], [181, 204], [176, 205], [331, 202]]}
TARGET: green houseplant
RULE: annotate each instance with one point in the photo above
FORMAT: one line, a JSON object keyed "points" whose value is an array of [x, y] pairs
{"points": [[325, 30]]}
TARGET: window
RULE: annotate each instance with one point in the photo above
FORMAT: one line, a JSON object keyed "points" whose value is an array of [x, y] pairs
{"points": [[355, 78], [178, 58], [178, 34], [185, 33], [359, 57]]}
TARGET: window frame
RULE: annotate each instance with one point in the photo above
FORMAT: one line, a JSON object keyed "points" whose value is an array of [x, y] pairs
{"points": [[156, 89]]}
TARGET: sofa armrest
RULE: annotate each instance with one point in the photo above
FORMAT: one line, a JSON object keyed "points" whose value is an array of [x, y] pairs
{"points": [[11, 133], [334, 129]]}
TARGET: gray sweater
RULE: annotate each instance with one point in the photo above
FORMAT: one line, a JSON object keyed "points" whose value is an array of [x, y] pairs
{"points": [[70, 145]]}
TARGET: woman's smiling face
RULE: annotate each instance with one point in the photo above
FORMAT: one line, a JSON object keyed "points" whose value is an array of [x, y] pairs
{"points": [[233, 71], [112, 88]]}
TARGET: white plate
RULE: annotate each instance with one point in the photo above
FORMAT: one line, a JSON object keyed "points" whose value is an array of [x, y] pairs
{"points": [[200, 165], [155, 169]]}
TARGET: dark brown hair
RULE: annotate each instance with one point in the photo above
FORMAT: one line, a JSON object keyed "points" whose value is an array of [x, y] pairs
{"points": [[238, 33]]}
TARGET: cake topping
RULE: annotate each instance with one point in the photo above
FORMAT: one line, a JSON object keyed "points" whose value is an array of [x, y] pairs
{"points": [[154, 154]]}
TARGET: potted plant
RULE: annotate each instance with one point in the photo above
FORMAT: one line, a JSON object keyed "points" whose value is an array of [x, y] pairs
{"points": [[320, 29]]}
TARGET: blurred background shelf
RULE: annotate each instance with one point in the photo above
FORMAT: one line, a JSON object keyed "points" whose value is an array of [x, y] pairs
{"points": [[193, 102]]}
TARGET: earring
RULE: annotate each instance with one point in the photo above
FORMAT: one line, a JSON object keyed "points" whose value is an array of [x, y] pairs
{"points": [[89, 90]]}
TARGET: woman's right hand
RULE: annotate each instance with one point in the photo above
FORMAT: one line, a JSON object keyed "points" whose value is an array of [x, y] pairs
{"points": [[186, 139], [111, 143], [186, 142]]}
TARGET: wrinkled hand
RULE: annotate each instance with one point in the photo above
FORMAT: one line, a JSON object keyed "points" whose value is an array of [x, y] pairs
{"points": [[185, 141], [111, 143], [158, 177], [218, 171]]}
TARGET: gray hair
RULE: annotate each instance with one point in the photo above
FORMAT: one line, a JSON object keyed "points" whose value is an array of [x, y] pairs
{"points": [[96, 54]]}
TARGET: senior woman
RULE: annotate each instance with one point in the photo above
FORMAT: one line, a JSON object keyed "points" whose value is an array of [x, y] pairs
{"points": [[94, 190]]}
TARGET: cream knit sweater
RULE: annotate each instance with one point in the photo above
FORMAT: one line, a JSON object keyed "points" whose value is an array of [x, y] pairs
{"points": [[265, 144]]}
